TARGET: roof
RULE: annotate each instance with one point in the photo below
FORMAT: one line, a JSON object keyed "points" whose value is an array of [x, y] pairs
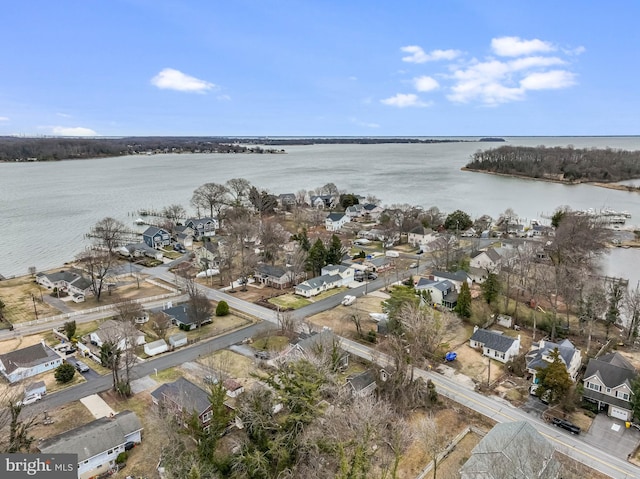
{"points": [[370, 206], [180, 313], [361, 380], [335, 216], [612, 369], [311, 342], [177, 337], [152, 231], [493, 340], [95, 437], [534, 357], [201, 221], [513, 449], [112, 330], [27, 357], [459, 275], [319, 281], [156, 344], [493, 255], [184, 393], [231, 385], [271, 270]]}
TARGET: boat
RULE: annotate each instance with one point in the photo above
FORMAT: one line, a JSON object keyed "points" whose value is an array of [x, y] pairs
{"points": [[139, 221]]}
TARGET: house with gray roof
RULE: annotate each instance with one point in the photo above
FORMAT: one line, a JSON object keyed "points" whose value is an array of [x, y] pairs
{"points": [[488, 260], [362, 384], [275, 276], [333, 276], [139, 250], [202, 226], [182, 398], [539, 356], [156, 237], [71, 282], [494, 344], [607, 383], [97, 443], [179, 315], [514, 450], [335, 221], [27, 362], [443, 293], [457, 277], [316, 343]]}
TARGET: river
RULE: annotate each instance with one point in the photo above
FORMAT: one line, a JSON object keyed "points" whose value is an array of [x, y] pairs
{"points": [[46, 208]]}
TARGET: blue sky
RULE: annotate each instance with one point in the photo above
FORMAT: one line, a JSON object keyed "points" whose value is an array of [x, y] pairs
{"points": [[332, 67]]}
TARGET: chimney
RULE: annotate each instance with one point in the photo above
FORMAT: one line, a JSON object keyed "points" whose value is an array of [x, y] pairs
{"points": [[475, 328]]}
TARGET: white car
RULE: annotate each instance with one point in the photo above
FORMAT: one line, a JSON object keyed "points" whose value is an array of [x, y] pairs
{"points": [[208, 273], [29, 400], [348, 300], [377, 317]]}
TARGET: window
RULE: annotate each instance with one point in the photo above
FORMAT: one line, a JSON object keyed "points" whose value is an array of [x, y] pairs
{"points": [[608, 390], [621, 395], [206, 417], [110, 451], [594, 387]]}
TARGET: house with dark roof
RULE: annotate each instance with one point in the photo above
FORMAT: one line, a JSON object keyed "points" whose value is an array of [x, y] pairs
{"points": [[202, 226], [443, 293], [354, 211], [179, 315], [313, 344], [27, 362], [275, 276], [333, 276], [182, 398], [494, 344], [362, 384], [607, 383], [539, 356], [139, 250], [421, 236], [372, 211], [97, 443], [514, 450], [71, 282], [322, 201], [457, 277], [184, 235], [156, 237], [123, 334], [488, 260], [335, 221], [208, 255], [286, 200]]}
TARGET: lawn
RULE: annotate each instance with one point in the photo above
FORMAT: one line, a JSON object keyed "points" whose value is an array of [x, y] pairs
{"points": [[22, 298], [271, 343], [289, 301], [233, 364]]}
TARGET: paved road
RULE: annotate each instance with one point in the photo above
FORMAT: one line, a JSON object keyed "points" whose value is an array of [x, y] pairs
{"points": [[573, 446]]}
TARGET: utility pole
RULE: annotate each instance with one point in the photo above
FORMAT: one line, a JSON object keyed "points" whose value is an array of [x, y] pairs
{"points": [[489, 373], [35, 309]]}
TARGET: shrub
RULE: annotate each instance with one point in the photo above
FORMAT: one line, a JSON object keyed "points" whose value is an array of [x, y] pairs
{"points": [[372, 336], [122, 458], [222, 309], [64, 373]]}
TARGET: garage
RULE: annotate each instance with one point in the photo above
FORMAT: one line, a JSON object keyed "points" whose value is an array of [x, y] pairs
{"points": [[618, 413]]}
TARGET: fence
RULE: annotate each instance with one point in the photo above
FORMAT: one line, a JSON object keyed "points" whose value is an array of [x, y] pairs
{"points": [[450, 447]]}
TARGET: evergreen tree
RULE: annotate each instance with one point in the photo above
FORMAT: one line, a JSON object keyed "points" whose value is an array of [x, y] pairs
{"points": [[317, 257], [491, 288], [554, 380], [463, 308], [64, 373], [334, 253], [635, 398], [302, 239]]}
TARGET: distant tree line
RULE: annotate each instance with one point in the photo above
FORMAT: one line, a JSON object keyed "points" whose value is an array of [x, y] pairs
{"points": [[53, 149], [560, 163], [360, 141]]}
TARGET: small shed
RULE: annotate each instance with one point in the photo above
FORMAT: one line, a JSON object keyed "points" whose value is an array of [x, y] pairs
{"points": [[233, 387], [178, 340], [156, 347], [35, 388]]}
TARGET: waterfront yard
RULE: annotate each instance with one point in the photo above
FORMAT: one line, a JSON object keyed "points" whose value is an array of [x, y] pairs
{"points": [[22, 298]]}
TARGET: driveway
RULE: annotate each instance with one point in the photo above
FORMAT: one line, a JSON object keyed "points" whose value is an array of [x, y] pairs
{"points": [[612, 436]]}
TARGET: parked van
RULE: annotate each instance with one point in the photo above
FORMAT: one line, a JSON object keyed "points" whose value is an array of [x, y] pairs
{"points": [[392, 254]]}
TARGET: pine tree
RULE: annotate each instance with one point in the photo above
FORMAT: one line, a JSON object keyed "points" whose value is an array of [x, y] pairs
{"points": [[554, 380], [463, 307]]}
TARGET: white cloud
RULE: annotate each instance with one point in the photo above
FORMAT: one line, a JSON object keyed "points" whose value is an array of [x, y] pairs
{"points": [[425, 83], [73, 131], [224, 97], [402, 100], [526, 63], [418, 55], [357, 122], [4, 118], [551, 80], [515, 46], [63, 115], [171, 79]]}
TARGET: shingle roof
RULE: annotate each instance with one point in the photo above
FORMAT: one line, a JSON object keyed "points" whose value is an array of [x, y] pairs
{"points": [[566, 349], [515, 449], [612, 369], [459, 275], [180, 313], [362, 380], [93, 438], [271, 270], [27, 357], [185, 394], [493, 340], [335, 216], [152, 231]]}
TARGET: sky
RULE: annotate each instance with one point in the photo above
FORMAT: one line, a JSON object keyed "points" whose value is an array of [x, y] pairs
{"points": [[319, 68]]}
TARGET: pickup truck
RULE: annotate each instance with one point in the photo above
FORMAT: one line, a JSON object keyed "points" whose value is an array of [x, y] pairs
{"points": [[569, 426]]}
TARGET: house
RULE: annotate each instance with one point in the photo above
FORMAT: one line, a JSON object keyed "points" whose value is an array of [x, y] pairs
{"points": [[70, 282], [372, 211], [184, 235], [202, 227], [139, 250], [316, 343], [277, 277], [38, 387], [512, 449], [354, 211], [335, 221], [420, 236], [179, 315], [286, 200], [488, 260], [182, 398], [233, 388], [607, 382], [208, 255], [362, 384], [442, 292], [495, 345], [27, 362], [457, 278], [470, 233], [333, 276], [97, 443], [178, 340], [540, 356], [121, 333], [156, 237], [156, 347], [322, 201]]}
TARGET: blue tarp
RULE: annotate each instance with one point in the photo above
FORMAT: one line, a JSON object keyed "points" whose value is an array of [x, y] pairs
{"points": [[450, 356]]}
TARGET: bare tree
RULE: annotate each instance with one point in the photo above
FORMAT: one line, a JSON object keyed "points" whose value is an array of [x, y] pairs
{"points": [[242, 230], [432, 439], [199, 307], [631, 307], [98, 265], [109, 233], [213, 197], [173, 214], [129, 311], [239, 190], [15, 431], [160, 323], [272, 239]]}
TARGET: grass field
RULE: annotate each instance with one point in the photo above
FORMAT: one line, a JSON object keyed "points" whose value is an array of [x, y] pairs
{"points": [[290, 301], [22, 297]]}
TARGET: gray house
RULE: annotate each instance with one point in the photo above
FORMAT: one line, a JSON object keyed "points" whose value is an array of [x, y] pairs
{"points": [[179, 315], [495, 345], [607, 382], [514, 450], [156, 237], [26, 362]]}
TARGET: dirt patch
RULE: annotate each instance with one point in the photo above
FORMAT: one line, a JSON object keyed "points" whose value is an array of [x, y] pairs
{"points": [[232, 364], [339, 318], [23, 297], [124, 292], [473, 364], [20, 342], [64, 418]]}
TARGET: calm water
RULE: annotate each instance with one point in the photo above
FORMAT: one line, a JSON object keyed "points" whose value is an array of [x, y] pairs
{"points": [[46, 208]]}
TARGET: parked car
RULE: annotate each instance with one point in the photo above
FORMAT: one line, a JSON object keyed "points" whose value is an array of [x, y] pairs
{"points": [[569, 426], [129, 445], [413, 265], [82, 367], [358, 278], [29, 400], [262, 355], [209, 379], [348, 300], [372, 275], [179, 248]]}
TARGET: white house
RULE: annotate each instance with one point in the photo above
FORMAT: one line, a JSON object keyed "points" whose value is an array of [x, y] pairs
{"points": [[202, 226], [488, 260], [233, 388], [98, 443], [354, 211], [26, 362], [608, 383], [335, 221], [442, 292], [156, 347], [178, 340], [70, 282], [539, 356], [123, 334], [421, 236], [333, 276], [494, 344]]}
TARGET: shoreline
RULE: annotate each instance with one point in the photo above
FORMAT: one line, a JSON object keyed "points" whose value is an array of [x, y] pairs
{"points": [[611, 186]]}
